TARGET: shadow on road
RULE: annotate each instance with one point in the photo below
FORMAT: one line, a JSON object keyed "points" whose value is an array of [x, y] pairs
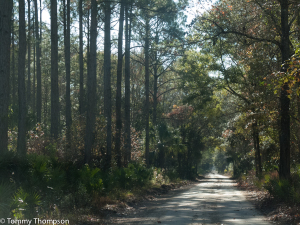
{"points": [[213, 200]]}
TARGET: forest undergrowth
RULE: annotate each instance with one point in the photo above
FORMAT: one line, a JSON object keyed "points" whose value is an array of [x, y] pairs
{"points": [[275, 198], [46, 186]]}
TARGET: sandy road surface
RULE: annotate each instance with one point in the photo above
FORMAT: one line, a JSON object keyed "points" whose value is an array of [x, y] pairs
{"points": [[215, 200]]}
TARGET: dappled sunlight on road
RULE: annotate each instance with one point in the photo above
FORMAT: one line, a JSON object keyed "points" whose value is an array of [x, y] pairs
{"points": [[215, 200]]}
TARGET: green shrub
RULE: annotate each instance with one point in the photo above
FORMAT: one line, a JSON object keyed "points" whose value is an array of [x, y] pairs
{"points": [[25, 204], [172, 174], [91, 179], [135, 174], [6, 199], [142, 174], [32, 185], [280, 189], [284, 190]]}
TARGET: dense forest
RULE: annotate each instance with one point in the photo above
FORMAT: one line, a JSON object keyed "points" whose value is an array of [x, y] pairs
{"points": [[103, 97]]}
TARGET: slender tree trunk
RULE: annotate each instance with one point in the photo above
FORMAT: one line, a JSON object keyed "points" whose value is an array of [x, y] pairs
{"points": [[54, 73], [127, 130], [119, 89], [284, 135], [46, 94], [13, 66], [41, 30], [81, 90], [34, 66], [91, 86], [38, 68], [21, 145], [298, 117], [155, 88], [147, 104], [5, 32], [88, 39], [107, 82], [67, 65], [29, 57], [257, 149]]}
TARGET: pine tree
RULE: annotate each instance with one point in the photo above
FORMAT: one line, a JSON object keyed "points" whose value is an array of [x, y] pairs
{"points": [[55, 109], [5, 32], [107, 82], [21, 145], [91, 86]]}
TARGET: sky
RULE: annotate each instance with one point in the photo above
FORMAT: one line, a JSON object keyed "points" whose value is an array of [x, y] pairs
{"points": [[195, 8]]}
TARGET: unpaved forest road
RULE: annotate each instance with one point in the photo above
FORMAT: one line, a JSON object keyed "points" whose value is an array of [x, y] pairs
{"points": [[214, 200]]}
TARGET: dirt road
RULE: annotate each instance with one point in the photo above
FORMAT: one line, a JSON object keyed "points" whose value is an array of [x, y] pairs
{"points": [[215, 200]]}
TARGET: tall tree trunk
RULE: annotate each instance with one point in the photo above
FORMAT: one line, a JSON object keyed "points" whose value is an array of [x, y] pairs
{"points": [[54, 73], [81, 90], [284, 135], [91, 86], [127, 131], [119, 89], [147, 104], [298, 117], [34, 66], [67, 65], [107, 82], [29, 57], [155, 88], [41, 21], [155, 91], [257, 149], [13, 64], [21, 145], [38, 68], [5, 31], [46, 94], [88, 39]]}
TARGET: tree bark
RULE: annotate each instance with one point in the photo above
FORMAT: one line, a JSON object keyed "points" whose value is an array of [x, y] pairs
{"points": [[13, 63], [284, 135], [155, 91], [107, 82], [34, 66], [5, 32], [29, 57], [127, 131], [155, 88], [119, 89], [38, 68], [91, 86], [21, 144], [81, 90], [46, 94], [54, 73], [88, 39], [258, 166], [67, 65], [147, 103]]}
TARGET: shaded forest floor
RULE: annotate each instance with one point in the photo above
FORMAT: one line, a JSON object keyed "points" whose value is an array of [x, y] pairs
{"points": [[278, 212]]}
